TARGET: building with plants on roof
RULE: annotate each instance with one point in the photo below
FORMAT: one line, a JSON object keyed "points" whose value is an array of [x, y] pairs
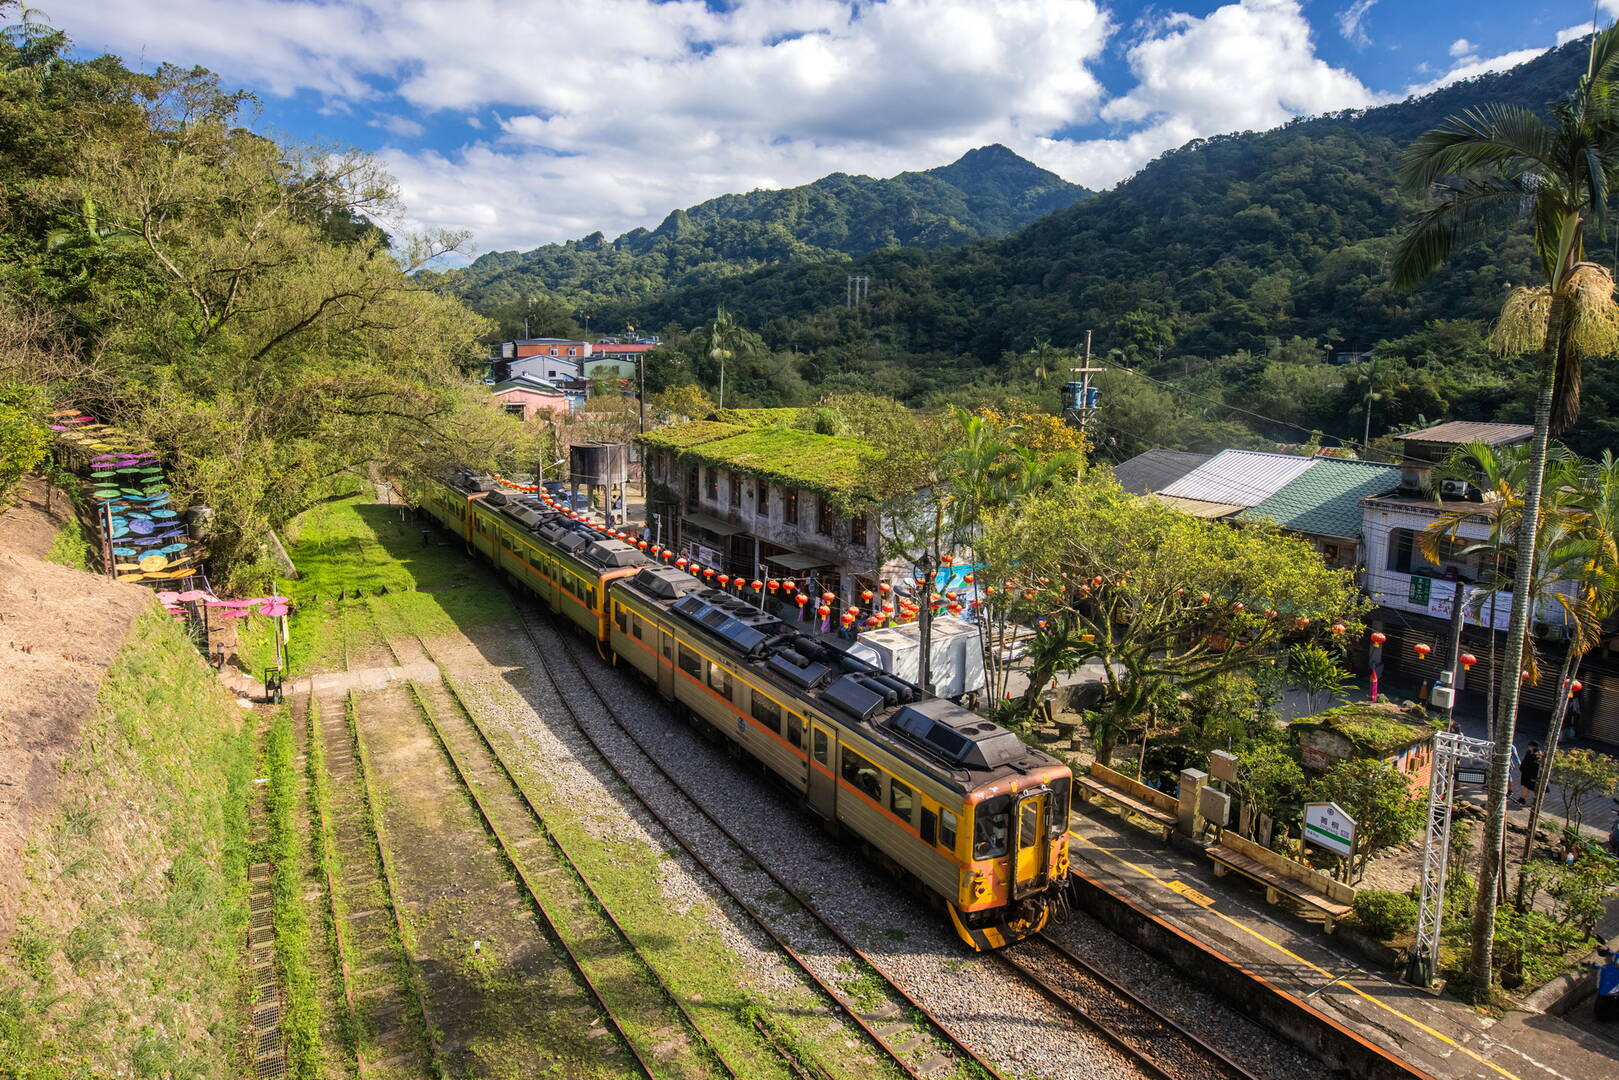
{"points": [[1399, 735], [753, 492]]}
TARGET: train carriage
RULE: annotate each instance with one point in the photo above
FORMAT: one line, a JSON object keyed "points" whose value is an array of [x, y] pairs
{"points": [[959, 804]]}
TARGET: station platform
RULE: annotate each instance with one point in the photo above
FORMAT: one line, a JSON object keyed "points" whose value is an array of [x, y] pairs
{"points": [[1292, 976]]}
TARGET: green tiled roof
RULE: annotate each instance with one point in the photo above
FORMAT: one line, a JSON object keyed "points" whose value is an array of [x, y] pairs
{"points": [[1325, 498]]}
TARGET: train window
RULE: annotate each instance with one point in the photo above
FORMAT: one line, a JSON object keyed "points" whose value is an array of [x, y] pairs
{"points": [[862, 774], [668, 648], [1059, 806], [621, 617], [947, 829], [900, 799], [929, 826], [691, 663], [795, 731], [820, 746], [720, 680], [766, 712], [990, 829], [635, 626]]}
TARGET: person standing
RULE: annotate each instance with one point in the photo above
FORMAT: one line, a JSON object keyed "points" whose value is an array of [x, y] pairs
{"points": [[1529, 772]]}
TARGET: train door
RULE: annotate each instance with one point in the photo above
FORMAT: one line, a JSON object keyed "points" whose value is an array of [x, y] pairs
{"points": [[665, 661], [823, 786], [1030, 851]]}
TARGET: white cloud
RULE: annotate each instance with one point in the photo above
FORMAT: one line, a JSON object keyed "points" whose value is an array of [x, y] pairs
{"points": [[1462, 47], [677, 102], [1351, 21], [1249, 65], [401, 126], [1471, 66]]}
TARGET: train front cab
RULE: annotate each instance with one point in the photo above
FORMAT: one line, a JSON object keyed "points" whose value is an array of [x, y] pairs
{"points": [[1018, 870]]}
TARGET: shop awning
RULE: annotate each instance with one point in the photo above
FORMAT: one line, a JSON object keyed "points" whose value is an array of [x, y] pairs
{"points": [[795, 561], [712, 524]]}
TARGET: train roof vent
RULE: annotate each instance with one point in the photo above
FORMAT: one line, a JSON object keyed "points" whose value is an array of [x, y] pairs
{"points": [[807, 676], [523, 514], [962, 736], [664, 582], [553, 532], [614, 553], [571, 542], [494, 498], [853, 697]]}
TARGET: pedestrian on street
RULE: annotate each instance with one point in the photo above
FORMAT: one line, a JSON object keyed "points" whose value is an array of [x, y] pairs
{"points": [[1607, 1004], [1529, 772]]}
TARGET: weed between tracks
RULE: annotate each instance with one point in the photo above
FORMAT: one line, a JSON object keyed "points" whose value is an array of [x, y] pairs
{"points": [[283, 850]]}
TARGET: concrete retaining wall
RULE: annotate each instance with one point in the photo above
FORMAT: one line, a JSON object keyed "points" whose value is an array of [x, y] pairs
{"points": [[1332, 1043]]}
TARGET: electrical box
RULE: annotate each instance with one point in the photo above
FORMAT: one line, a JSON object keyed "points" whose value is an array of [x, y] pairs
{"points": [[1215, 806], [1442, 697], [1223, 765]]}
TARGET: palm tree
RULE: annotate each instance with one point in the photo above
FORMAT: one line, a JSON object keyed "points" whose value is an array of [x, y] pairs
{"points": [[1591, 559], [1500, 160]]}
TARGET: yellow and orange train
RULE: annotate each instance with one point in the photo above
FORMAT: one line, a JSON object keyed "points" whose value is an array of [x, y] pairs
{"points": [[961, 805]]}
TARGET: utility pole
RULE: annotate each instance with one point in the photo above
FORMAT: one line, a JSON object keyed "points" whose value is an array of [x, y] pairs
{"points": [[640, 375], [856, 289], [1079, 400]]}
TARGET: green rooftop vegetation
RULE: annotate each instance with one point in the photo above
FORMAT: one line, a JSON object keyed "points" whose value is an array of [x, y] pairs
{"points": [[804, 419], [1375, 729], [838, 467], [684, 436]]}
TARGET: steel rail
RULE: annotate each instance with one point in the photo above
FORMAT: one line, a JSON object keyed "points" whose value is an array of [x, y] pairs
{"points": [[525, 614], [544, 829]]}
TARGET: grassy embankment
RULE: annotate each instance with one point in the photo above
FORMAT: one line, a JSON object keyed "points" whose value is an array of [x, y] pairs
{"points": [[128, 957]]}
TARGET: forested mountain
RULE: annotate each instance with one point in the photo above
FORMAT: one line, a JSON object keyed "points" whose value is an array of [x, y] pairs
{"points": [[1212, 264], [987, 192]]}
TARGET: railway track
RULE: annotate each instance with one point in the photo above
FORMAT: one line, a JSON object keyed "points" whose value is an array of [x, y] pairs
{"points": [[570, 907], [886, 1025], [1161, 1046]]}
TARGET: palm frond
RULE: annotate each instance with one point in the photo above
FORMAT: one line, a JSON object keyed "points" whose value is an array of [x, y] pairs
{"points": [[1488, 136], [1461, 210]]}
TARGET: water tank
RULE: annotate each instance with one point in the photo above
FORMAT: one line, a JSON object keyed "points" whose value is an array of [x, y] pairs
{"points": [[598, 464]]}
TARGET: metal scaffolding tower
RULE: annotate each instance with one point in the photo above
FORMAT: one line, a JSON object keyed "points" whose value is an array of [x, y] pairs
{"points": [[1450, 749]]}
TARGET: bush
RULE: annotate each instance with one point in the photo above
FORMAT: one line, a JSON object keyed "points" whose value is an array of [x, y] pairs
{"points": [[1385, 914]]}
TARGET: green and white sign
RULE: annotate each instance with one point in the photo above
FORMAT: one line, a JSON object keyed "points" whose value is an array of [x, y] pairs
{"points": [[1326, 825]]}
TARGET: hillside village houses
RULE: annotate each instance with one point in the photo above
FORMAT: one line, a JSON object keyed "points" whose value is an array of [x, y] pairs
{"points": [[1367, 516]]}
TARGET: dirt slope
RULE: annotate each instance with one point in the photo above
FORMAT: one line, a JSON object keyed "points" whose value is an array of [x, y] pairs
{"points": [[59, 629]]}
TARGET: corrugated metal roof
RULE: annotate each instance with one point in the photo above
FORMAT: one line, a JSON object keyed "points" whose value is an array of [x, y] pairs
{"points": [[1238, 477], [1462, 431], [1155, 469], [1325, 500], [1197, 507]]}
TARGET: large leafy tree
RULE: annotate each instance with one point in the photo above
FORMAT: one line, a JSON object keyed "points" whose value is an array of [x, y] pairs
{"points": [[1477, 167], [1164, 599]]}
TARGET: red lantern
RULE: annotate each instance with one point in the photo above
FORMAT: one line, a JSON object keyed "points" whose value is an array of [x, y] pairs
{"points": [[802, 599], [1338, 628], [709, 573], [788, 585], [1468, 660], [989, 590], [968, 579], [758, 586], [828, 597], [1575, 687], [846, 619], [1422, 650], [888, 609], [872, 621], [866, 595], [824, 610], [772, 584], [724, 579], [955, 608], [1378, 637], [680, 563], [642, 544], [885, 588], [667, 554]]}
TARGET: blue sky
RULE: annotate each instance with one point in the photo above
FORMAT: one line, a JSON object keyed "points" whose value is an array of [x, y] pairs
{"points": [[527, 121]]}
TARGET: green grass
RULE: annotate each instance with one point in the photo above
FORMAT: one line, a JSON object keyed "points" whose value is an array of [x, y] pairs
{"points": [[131, 963], [351, 551], [327, 870], [301, 1018], [70, 547]]}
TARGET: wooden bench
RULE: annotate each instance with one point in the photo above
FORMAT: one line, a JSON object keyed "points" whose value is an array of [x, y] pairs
{"points": [[1282, 876], [1131, 796]]}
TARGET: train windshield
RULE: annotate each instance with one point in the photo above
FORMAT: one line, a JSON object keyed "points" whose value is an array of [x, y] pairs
{"points": [[1060, 789], [990, 826]]}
